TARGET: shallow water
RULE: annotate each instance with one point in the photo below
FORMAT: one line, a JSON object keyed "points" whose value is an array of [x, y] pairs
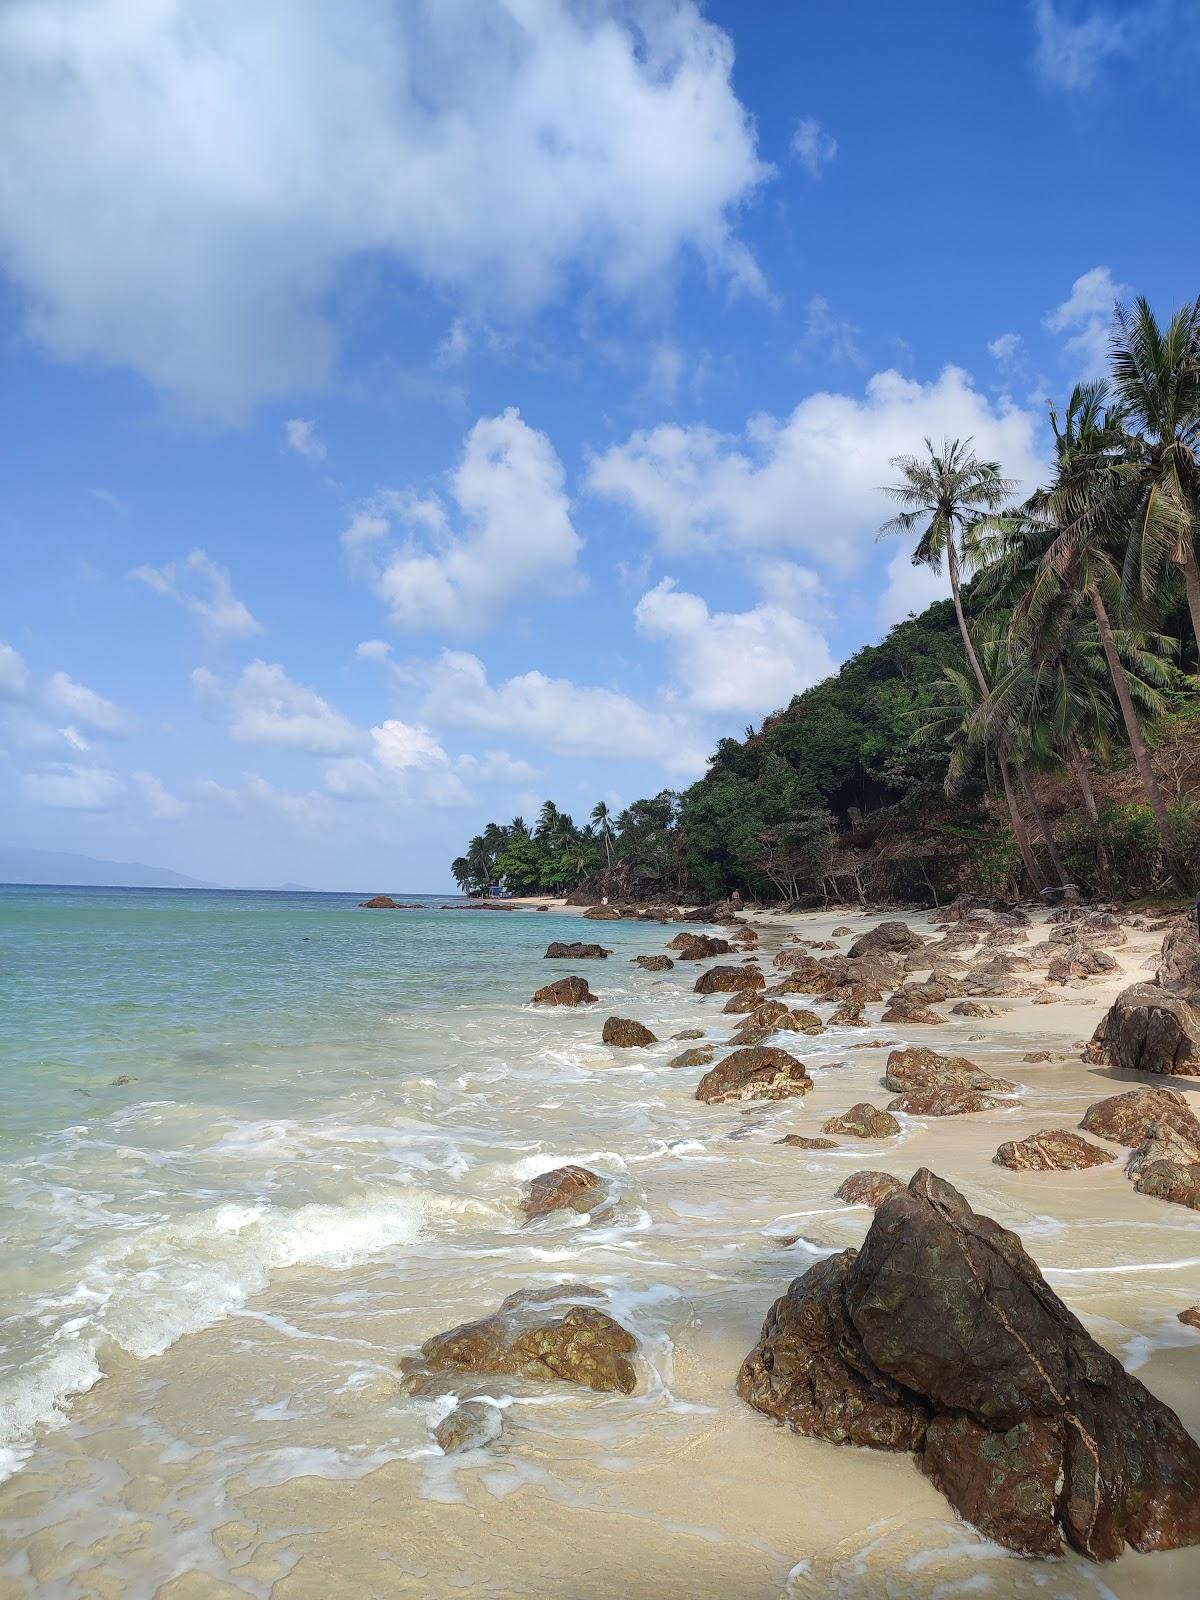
{"points": [[210, 1271]]}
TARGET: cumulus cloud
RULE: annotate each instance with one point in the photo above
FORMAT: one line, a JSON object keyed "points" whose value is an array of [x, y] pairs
{"points": [[1004, 346], [16, 682], [1069, 54], [510, 533], [64, 695], [206, 590], [267, 707], [67, 786], [808, 482], [561, 715], [158, 800], [1085, 317], [497, 766], [733, 661], [300, 434], [185, 182], [373, 650], [812, 146]]}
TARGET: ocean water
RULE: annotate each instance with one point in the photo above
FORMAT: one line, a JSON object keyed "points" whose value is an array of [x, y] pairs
{"points": [[254, 1148]]}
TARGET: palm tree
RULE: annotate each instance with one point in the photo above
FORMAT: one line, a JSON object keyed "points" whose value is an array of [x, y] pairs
{"points": [[946, 495], [1156, 383], [601, 820]]}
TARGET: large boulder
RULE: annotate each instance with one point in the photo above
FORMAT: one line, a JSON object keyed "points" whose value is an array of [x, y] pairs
{"points": [[725, 980], [1128, 1118], [576, 951], [914, 1068], [1051, 1150], [699, 946], [1179, 963], [1171, 1180], [890, 936], [1077, 962], [869, 1189], [571, 991], [760, 1072], [863, 1121], [536, 1334], [625, 1034], [941, 1336], [566, 1188], [1150, 1029], [653, 963], [379, 902]]}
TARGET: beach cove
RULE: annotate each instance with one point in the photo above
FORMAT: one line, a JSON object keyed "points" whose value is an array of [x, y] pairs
{"points": [[317, 1160]]}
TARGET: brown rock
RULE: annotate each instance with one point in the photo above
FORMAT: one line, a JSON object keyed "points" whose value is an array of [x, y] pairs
{"points": [[699, 946], [653, 963], [801, 1141], [759, 1073], [1179, 963], [869, 1189], [689, 1033], [525, 1339], [379, 902], [925, 1069], [725, 980], [1150, 1029], [564, 1189], [1191, 1316], [942, 1100], [625, 1034], [842, 933], [699, 1056], [603, 913], [889, 936], [1081, 961], [565, 992], [1163, 1143], [1127, 1118], [1051, 1150], [576, 952], [1033, 1056], [472, 1425], [1170, 1180], [849, 1015], [909, 1011], [940, 1335], [976, 1008], [863, 1121]]}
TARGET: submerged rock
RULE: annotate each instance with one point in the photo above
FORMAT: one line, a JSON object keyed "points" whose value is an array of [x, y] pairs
{"points": [[911, 1011], [1051, 1150], [869, 1189], [758, 1073], [803, 1141], [1191, 1316], [528, 1338], [925, 1069], [699, 946], [699, 1056], [472, 1425], [726, 980], [566, 1188], [653, 963], [863, 1121], [576, 951], [941, 1336], [565, 992], [625, 1034], [942, 1100]]}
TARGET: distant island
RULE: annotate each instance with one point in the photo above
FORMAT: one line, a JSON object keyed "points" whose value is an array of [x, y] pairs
{"points": [[61, 867]]}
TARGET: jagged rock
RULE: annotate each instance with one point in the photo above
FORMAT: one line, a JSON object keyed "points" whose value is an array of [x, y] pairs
{"points": [[725, 980], [1170, 1180], [926, 1069], [603, 913], [941, 1336], [911, 1012], [1034, 1056], [1081, 961], [849, 1015], [1150, 1029], [869, 1189], [759, 1073], [526, 1338], [802, 1141], [753, 1033], [1179, 963], [699, 1056], [566, 1188], [653, 963], [1051, 1150], [689, 1033], [773, 1014], [472, 1425], [976, 1008], [863, 1121], [743, 1002], [942, 1100], [891, 936], [571, 991], [802, 965], [850, 994], [841, 933], [699, 946], [1127, 1118], [625, 1034], [576, 951], [1163, 1143]]}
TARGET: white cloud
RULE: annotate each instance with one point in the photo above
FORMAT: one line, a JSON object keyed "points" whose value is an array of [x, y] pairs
{"points": [[497, 766], [835, 336], [204, 589], [909, 588], [373, 650], [300, 434], [1086, 317], [67, 786], [401, 746], [561, 716], [267, 707], [75, 700], [1004, 346], [733, 661], [453, 348], [812, 146], [159, 801], [809, 482], [16, 682], [1070, 55], [512, 535], [352, 778], [185, 182]]}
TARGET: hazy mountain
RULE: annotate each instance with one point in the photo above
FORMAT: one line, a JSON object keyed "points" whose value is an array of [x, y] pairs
{"points": [[61, 867]]}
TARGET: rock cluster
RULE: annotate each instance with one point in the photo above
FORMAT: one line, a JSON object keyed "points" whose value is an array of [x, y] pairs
{"points": [[653, 963], [699, 946], [576, 951], [940, 1336], [1155, 1027]]}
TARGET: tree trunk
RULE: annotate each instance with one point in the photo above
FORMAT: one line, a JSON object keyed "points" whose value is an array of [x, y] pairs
{"points": [[1083, 777], [1020, 832], [1070, 892], [1137, 743], [1191, 579]]}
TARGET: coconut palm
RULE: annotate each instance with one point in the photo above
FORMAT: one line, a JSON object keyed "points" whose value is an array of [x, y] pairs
{"points": [[1156, 382], [602, 822], [945, 495]]}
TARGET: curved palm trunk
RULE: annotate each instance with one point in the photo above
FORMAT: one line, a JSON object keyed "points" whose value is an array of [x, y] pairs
{"points": [[1191, 579], [1020, 832], [1133, 728], [1070, 892], [1083, 778]]}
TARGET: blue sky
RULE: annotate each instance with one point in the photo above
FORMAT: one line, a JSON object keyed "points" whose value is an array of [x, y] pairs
{"points": [[413, 411]]}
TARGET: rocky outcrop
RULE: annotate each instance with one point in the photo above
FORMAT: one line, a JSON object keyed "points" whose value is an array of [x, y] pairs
{"points": [[1128, 1118], [1179, 963], [566, 1188], [869, 1189], [571, 991], [758, 1073], [1191, 1316], [537, 1334], [925, 1069], [803, 1141], [1150, 1029], [863, 1121], [1078, 962], [379, 902], [625, 1034], [604, 913], [653, 963], [699, 946], [942, 1100], [890, 936], [576, 951], [700, 1056], [849, 1015], [976, 1008], [1051, 1150], [725, 980], [472, 1425], [904, 1009], [941, 1336], [842, 932]]}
